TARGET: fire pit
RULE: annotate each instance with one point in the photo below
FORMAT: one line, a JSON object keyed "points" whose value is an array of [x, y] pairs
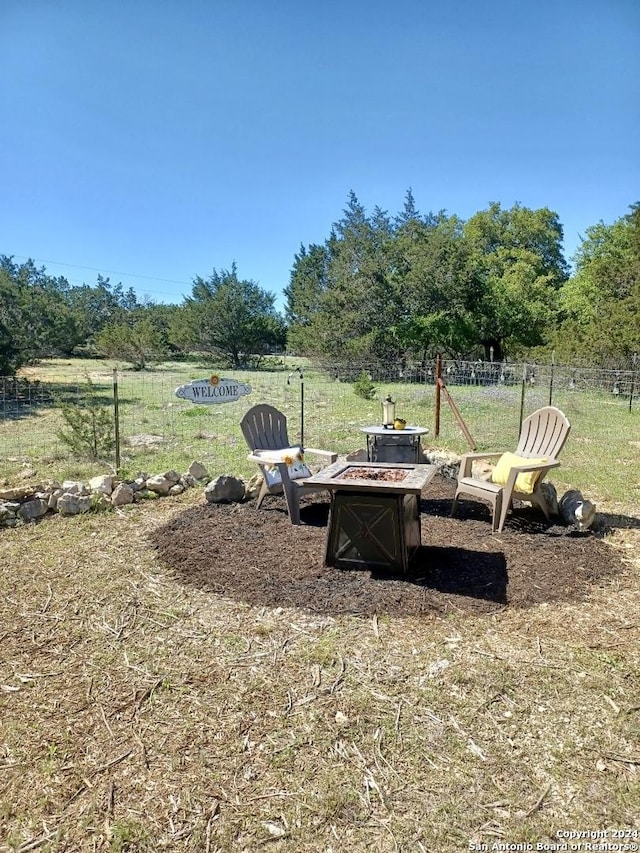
{"points": [[374, 522], [386, 475]]}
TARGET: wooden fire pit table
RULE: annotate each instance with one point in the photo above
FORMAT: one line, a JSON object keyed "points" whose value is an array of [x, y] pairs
{"points": [[374, 520]]}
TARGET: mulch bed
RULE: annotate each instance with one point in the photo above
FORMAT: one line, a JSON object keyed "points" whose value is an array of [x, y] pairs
{"points": [[258, 557]]}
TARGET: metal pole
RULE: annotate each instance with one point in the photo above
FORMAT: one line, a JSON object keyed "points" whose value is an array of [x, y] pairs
{"points": [[553, 361], [438, 378], [301, 408], [634, 362], [524, 384], [116, 417]]}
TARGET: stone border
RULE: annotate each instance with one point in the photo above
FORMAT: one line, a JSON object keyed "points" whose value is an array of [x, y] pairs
{"points": [[29, 503]]}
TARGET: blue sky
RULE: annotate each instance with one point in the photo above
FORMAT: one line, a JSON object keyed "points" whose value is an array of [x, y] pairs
{"points": [[154, 141]]}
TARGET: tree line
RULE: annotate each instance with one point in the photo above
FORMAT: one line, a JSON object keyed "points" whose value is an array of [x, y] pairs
{"points": [[496, 285], [379, 288]]}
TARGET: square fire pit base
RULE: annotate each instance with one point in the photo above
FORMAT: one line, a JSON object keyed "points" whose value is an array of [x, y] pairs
{"points": [[373, 531], [374, 520]]}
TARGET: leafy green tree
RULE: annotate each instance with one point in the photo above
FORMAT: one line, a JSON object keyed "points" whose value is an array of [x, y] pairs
{"points": [[436, 286], [138, 342], [230, 317], [13, 352], [517, 256], [40, 323], [99, 305], [601, 301]]}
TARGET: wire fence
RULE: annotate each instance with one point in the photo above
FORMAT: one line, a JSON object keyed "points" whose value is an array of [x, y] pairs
{"points": [[156, 430]]}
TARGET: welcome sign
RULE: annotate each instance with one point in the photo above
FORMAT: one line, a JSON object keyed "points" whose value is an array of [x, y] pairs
{"points": [[215, 389]]}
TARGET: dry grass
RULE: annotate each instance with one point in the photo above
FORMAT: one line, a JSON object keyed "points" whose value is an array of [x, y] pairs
{"points": [[138, 714]]}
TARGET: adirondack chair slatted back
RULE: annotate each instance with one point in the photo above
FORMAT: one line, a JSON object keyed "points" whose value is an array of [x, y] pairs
{"points": [[265, 428], [543, 433]]}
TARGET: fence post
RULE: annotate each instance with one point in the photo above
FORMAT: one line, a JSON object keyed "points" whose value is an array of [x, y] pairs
{"points": [[116, 417], [524, 384], [553, 362], [438, 377], [634, 364]]}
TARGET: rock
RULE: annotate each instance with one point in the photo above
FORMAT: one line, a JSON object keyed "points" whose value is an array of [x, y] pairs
{"points": [[187, 481], [178, 489], [30, 510], [74, 487], [144, 440], [73, 504], [101, 502], [27, 473], [139, 483], [8, 512], [576, 511], [55, 495], [252, 487], [448, 464], [162, 483], [224, 489], [122, 495], [198, 471], [18, 493], [102, 485], [145, 495]]}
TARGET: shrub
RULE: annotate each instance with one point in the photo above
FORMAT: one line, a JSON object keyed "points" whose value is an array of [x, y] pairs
{"points": [[364, 387], [90, 421]]}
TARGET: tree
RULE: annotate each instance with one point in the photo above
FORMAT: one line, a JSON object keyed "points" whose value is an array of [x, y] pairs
{"points": [[230, 317], [340, 300], [435, 285], [13, 353], [517, 255], [601, 301], [137, 342], [34, 304], [99, 305], [307, 284]]}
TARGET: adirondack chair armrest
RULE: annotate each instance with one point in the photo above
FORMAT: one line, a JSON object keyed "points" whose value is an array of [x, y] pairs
{"points": [[536, 466], [329, 455], [468, 459], [262, 458]]}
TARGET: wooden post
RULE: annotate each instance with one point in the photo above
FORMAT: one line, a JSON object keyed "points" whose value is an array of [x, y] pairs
{"points": [[457, 415], [436, 431]]}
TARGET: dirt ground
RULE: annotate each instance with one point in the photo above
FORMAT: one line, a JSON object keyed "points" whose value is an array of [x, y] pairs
{"points": [[258, 557]]}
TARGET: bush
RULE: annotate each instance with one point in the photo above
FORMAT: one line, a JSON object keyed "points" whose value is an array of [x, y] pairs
{"points": [[90, 422], [364, 387]]}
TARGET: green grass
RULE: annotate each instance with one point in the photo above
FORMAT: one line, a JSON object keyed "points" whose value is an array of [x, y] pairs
{"points": [[601, 457]]}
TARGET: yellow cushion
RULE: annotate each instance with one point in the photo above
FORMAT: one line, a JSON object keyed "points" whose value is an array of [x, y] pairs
{"points": [[526, 481]]}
